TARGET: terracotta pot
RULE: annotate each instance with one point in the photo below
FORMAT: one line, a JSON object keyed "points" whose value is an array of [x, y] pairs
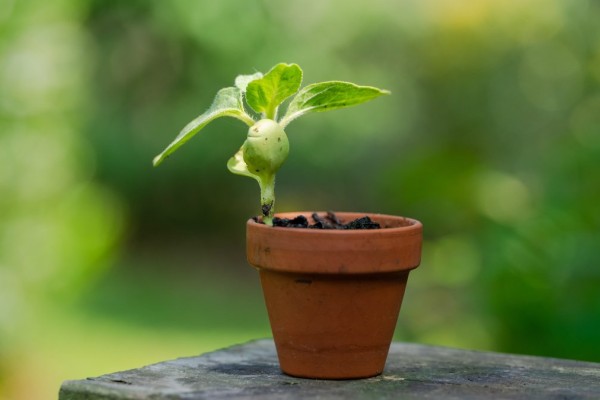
{"points": [[333, 296]]}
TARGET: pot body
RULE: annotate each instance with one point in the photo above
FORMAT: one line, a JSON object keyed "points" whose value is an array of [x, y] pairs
{"points": [[333, 296]]}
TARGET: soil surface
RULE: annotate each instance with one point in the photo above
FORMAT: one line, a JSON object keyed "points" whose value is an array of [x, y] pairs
{"points": [[330, 221]]}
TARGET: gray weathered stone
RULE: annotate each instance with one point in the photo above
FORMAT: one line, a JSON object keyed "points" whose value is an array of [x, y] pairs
{"points": [[250, 371]]}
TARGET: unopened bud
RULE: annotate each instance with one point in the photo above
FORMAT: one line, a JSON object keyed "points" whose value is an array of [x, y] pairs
{"points": [[265, 148]]}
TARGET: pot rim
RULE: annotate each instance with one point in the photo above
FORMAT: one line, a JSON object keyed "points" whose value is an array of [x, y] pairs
{"points": [[405, 224], [332, 251]]}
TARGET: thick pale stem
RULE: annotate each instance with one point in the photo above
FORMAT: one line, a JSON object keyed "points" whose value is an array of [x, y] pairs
{"points": [[271, 113], [267, 198], [245, 118]]}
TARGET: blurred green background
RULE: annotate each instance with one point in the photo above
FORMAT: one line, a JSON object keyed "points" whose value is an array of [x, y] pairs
{"points": [[491, 138]]}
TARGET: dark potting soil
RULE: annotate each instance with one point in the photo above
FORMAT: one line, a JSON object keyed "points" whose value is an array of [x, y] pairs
{"points": [[330, 221]]}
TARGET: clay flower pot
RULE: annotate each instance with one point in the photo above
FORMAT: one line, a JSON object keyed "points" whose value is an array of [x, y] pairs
{"points": [[333, 296]]}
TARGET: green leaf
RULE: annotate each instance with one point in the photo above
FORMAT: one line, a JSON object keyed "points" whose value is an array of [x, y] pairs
{"points": [[242, 81], [227, 103], [264, 95], [327, 96], [238, 166]]}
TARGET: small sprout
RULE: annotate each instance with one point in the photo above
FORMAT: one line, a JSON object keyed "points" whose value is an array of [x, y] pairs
{"points": [[266, 146]]}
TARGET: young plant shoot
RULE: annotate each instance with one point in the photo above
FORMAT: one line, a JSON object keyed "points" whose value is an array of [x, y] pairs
{"points": [[266, 146]]}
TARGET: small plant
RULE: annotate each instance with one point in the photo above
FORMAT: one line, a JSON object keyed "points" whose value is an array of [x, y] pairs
{"points": [[266, 146]]}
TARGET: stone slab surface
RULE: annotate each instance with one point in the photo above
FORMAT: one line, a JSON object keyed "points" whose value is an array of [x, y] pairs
{"points": [[250, 371]]}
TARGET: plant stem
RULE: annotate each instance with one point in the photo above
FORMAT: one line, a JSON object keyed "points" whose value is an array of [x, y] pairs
{"points": [[267, 198], [245, 118]]}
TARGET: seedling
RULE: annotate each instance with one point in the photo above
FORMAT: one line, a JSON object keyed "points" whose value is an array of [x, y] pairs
{"points": [[266, 146]]}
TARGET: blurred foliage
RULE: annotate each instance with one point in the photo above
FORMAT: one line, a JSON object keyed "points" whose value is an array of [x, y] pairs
{"points": [[491, 137], [57, 226]]}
